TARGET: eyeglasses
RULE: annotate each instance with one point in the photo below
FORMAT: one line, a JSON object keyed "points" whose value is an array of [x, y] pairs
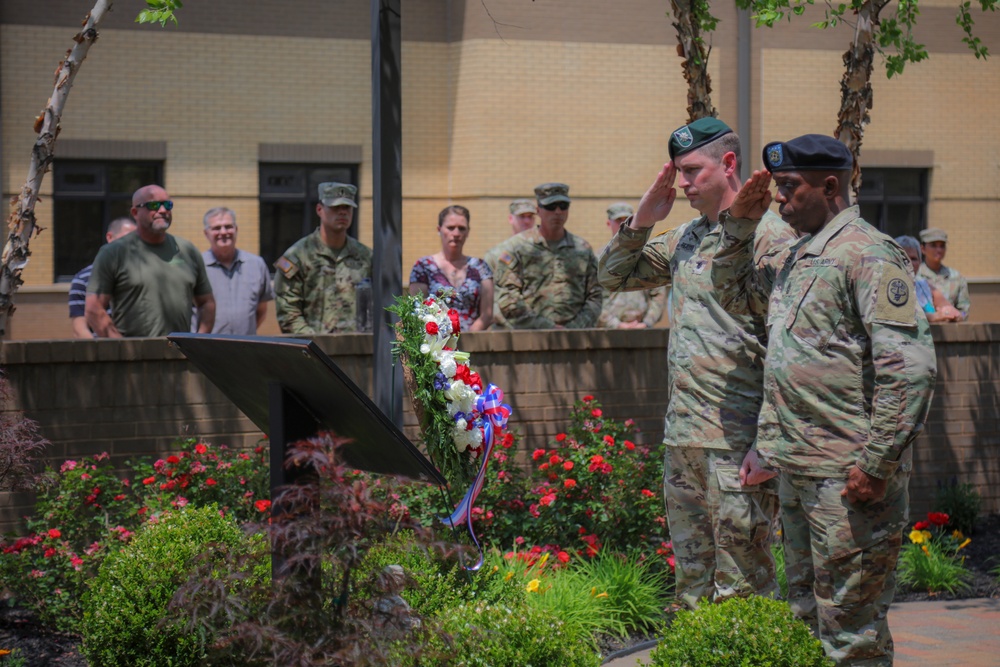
{"points": [[155, 205], [561, 205]]}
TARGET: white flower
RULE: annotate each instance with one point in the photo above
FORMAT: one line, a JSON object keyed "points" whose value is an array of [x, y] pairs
{"points": [[461, 424], [425, 349], [449, 367]]}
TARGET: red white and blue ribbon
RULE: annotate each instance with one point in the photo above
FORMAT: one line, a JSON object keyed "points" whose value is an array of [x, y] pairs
{"points": [[495, 415]]}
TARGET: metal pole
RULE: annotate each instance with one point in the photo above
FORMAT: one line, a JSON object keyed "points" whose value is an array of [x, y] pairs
{"points": [[743, 70], [387, 195]]}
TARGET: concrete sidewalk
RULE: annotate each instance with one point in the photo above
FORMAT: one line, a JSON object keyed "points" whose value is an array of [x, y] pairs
{"points": [[953, 633]]}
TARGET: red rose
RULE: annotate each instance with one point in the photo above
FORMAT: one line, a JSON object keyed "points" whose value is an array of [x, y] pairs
{"points": [[560, 437], [596, 412], [508, 440], [555, 459], [648, 493], [262, 505], [569, 483], [587, 399], [609, 441], [568, 465], [547, 499], [922, 525], [629, 445], [210, 482], [54, 533], [562, 556], [173, 459], [431, 328], [938, 518], [456, 324], [200, 448], [537, 454], [149, 480], [597, 458], [543, 467]]}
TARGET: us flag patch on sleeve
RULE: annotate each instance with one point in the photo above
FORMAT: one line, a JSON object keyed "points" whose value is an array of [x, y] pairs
{"points": [[286, 267], [505, 258]]}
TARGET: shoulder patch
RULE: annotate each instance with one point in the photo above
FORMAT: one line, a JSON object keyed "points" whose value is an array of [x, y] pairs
{"points": [[505, 258], [893, 301], [666, 231], [286, 267]]}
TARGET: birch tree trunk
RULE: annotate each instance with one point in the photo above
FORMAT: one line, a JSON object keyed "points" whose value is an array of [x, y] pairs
{"points": [[692, 49], [21, 223], [856, 86]]}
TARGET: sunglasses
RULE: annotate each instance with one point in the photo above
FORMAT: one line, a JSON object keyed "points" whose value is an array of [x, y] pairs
{"points": [[155, 205], [561, 205]]}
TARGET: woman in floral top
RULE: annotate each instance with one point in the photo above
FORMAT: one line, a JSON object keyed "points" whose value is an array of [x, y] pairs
{"points": [[468, 279]]}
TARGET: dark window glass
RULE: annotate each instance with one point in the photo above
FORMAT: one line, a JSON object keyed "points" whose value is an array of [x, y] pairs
{"points": [[87, 195], [894, 200], [288, 198]]}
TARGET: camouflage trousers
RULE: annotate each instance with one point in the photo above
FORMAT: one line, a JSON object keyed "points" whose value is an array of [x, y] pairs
{"points": [[840, 559], [720, 531]]}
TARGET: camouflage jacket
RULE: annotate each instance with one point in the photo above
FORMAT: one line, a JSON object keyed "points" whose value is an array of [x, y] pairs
{"points": [[538, 287], [499, 321], [952, 284], [644, 306], [314, 288], [715, 360], [850, 362]]}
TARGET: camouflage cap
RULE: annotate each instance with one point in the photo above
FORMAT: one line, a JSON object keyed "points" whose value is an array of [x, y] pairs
{"points": [[519, 206], [932, 234], [335, 194], [620, 210], [694, 135], [810, 152], [549, 193]]}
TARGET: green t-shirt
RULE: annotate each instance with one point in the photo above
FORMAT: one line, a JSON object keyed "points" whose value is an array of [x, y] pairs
{"points": [[152, 287]]}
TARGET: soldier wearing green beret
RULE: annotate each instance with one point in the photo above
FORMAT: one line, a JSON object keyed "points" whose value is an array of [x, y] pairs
{"points": [[848, 379], [316, 279], [630, 309], [546, 277], [521, 218], [954, 286], [715, 360]]}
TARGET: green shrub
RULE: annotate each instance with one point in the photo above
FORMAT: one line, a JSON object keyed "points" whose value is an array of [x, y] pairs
{"points": [[484, 635], [739, 632], [778, 551], [637, 591], [125, 612], [961, 502]]}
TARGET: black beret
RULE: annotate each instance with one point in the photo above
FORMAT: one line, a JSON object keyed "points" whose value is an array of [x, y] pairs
{"points": [[695, 135], [810, 152]]}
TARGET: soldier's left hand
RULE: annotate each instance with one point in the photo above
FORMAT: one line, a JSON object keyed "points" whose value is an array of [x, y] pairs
{"points": [[752, 472], [753, 198], [862, 487]]}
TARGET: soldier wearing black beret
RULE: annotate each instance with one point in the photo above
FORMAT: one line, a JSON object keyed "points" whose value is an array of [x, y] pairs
{"points": [[848, 376]]}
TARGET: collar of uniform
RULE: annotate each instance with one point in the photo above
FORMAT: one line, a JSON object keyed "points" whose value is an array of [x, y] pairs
{"points": [[349, 249], [536, 237], [817, 244]]}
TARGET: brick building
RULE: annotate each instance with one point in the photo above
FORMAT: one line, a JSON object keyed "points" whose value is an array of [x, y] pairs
{"points": [[248, 105]]}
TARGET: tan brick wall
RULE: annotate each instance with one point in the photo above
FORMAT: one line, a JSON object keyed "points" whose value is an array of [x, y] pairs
{"points": [[134, 397]]}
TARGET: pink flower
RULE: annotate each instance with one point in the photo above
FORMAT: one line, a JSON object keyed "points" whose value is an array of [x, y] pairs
{"points": [[68, 465], [84, 476], [547, 499]]}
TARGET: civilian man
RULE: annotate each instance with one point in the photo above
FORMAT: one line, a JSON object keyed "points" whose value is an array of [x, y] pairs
{"points": [[150, 278], [117, 228]]}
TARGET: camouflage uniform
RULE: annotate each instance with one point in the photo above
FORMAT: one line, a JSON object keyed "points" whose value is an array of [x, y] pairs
{"points": [[491, 256], [715, 363], [951, 283], [644, 306], [314, 285], [539, 287], [848, 381]]}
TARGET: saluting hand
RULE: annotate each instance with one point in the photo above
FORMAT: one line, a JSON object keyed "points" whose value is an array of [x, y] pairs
{"points": [[655, 205], [753, 198]]}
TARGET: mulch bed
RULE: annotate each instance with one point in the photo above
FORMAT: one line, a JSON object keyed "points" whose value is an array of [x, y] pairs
{"points": [[41, 647]]}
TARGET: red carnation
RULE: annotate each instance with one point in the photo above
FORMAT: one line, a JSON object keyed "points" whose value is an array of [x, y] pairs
{"points": [[431, 328], [456, 325]]}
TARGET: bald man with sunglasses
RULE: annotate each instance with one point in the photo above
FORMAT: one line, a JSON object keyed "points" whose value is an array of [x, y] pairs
{"points": [[149, 279], [546, 277]]}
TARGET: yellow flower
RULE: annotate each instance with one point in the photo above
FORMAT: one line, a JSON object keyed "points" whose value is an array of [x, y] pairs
{"points": [[917, 536], [925, 550], [593, 591], [965, 543], [495, 568], [543, 560], [4, 651], [533, 586], [508, 576], [602, 595], [958, 535]]}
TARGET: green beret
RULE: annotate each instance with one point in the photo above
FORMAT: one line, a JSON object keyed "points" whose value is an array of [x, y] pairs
{"points": [[810, 152], [695, 135]]}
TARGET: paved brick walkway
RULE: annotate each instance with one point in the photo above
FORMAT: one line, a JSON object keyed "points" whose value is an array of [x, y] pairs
{"points": [[954, 633]]}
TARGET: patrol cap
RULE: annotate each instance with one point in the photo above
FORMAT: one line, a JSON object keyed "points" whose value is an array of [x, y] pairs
{"points": [[932, 234], [620, 210], [335, 194], [810, 152], [519, 206], [550, 193], [694, 135]]}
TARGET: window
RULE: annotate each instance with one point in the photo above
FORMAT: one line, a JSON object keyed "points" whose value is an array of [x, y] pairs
{"points": [[894, 200], [86, 196], [288, 198]]}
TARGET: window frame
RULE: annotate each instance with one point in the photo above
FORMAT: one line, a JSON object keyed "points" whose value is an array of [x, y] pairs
{"points": [[884, 201]]}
